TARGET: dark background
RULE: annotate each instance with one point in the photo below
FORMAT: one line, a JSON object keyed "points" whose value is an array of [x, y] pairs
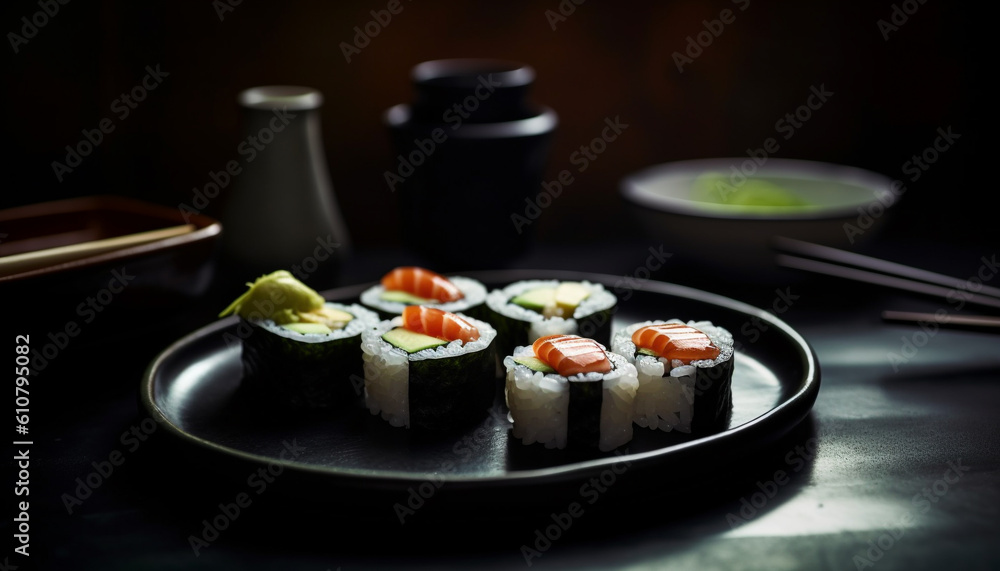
{"points": [[604, 60]]}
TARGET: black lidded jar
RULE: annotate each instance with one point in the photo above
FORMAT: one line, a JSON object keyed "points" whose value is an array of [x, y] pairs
{"points": [[471, 154]]}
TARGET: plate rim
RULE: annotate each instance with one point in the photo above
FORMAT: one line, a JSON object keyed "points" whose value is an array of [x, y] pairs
{"points": [[795, 407]]}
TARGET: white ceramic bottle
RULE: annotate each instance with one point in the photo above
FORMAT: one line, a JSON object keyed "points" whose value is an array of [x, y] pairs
{"points": [[282, 211]]}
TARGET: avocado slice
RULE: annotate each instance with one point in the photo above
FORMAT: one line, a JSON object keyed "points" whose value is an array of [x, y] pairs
{"points": [[535, 364], [411, 341], [560, 301], [296, 297], [333, 314], [308, 328], [536, 299], [569, 295], [329, 317], [401, 296], [644, 351]]}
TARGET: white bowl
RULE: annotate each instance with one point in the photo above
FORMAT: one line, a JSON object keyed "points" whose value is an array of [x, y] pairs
{"points": [[843, 207]]}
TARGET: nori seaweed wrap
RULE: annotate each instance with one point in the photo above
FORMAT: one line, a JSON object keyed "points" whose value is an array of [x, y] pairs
{"points": [[307, 370], [300, 350], [438, 388], [587, 410], [520, 325], [683, 395]]}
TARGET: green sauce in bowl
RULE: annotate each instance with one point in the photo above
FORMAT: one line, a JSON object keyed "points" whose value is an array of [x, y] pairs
{"points": [[754, 193]]}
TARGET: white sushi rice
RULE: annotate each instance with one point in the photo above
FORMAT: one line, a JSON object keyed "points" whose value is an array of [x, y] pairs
{"points": [[364, 319], [499, 301], [387, 367], [474, 293], [665, 401], [539, 403]]}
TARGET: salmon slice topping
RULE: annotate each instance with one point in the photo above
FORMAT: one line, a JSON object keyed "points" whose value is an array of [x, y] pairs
{"points": [[421, 283], [572, 354], [438, 323], [676, 341]]}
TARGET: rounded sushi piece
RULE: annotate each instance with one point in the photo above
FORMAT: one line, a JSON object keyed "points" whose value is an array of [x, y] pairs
{"points": [[584, 410], [306, 370], [675, 394], [389, 302], [435, 388], [520, 324]]}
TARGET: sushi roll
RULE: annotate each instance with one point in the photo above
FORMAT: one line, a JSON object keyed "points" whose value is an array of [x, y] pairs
{"points": [[429, 368], [526, 310], [298, 349], [409, 285], [685, 373], [568, 391]]}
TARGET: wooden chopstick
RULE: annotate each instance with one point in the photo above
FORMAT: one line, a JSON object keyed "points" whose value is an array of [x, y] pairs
{"points": [[829, 254], [952, 320], [27, 261], [891, 281]]}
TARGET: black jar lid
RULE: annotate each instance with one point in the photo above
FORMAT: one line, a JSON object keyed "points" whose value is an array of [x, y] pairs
{"points": [[472, 90]]}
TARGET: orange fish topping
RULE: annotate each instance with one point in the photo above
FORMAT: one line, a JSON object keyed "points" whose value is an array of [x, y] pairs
{"points": [[676, 341], [572, 354], [422, 283], [438, 323]]}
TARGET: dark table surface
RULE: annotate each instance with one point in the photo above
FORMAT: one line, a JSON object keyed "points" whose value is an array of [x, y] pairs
{"points": [[896, 467]]}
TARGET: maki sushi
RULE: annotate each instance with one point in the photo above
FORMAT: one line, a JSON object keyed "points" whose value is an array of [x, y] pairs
{"points": [[568, 391], [298, 348], [409, 285], [685, 373], [429, 368], [526, 310]]}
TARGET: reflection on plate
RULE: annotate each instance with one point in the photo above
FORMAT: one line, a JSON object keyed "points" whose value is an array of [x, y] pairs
{"points": [[193, 389]]}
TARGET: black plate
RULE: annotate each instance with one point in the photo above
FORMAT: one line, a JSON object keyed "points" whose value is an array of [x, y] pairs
{"points": [[192, 390]]}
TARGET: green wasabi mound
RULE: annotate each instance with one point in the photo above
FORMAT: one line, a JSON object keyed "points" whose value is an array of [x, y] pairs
{"points": [[753, 192], [281, 297]]}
